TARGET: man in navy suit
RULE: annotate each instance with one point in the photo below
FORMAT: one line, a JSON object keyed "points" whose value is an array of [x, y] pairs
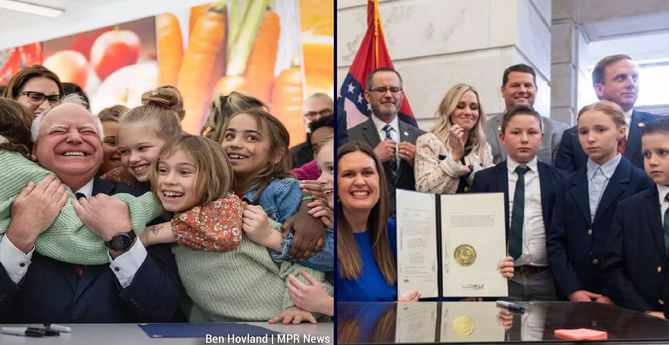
{"points": [[636, 259], [138, 284], [616, 79], [393, 140]]}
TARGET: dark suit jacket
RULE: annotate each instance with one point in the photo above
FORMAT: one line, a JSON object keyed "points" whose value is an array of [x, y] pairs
{"points": [[496, 180], [367, 133], [49, 292], [635, 262], [553, 131], [573, 241], [571, 157], [301, 154], [342, 133]]}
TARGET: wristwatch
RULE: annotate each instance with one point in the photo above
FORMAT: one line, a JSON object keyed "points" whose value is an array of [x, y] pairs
{"points": [[122, 241]]}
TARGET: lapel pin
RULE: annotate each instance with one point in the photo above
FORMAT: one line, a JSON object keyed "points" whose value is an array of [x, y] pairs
{"points": [[499, 128], [641, 124], [406, 133]]}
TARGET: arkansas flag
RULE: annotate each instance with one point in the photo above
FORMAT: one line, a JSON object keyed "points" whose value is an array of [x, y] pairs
{"points": [[371, 55]]}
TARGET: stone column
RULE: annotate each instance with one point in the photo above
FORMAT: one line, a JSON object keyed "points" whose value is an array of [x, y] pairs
{"points": [[569, 61], [437, 44]]}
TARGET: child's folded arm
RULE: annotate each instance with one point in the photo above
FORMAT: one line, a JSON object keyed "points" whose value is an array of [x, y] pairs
{"points": [[216, 226], [295, 269]]}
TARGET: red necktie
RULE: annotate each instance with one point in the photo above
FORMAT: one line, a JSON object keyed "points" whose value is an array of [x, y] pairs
{"points": [[622, 145]]}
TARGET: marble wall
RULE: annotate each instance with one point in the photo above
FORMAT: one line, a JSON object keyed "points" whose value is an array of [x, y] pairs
{"points": [[437, 44]]}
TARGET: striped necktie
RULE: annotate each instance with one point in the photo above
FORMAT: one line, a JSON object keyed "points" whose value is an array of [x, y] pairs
{"points": [[518, 215], [666, 227], [391, 165]]}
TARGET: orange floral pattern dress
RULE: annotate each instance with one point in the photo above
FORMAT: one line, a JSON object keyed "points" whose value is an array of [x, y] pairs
{"points": [[215, 227], [120, 175]]}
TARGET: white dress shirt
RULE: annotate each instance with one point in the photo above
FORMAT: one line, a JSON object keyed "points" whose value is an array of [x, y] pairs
{"points": [[16, 262], [664, 205], [628, 121], [598, 179], [534, 232]]}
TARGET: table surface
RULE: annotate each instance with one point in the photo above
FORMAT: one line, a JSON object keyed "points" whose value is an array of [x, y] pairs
{"points": [[485, 323], [131, 334]]}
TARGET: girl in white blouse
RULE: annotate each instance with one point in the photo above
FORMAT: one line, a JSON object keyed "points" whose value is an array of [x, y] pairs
{"points": [[455, 149]]}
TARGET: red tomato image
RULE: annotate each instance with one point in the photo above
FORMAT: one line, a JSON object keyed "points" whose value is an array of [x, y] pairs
{"points": [[70, 67], [113, 50]]}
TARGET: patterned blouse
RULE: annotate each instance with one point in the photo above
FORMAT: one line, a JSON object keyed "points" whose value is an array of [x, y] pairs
{"points": [[216, 226], [441, 175], [120, 175]]}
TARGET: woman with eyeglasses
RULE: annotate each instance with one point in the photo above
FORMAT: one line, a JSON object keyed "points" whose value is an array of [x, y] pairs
{"points": [[455, 149], [36, 88]]}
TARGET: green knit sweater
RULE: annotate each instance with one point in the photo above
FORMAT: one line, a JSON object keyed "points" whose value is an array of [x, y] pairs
{"points": [[244, 284], [68, 239]]}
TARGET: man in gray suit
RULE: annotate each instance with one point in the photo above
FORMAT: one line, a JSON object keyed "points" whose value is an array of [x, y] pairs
{"points": [[519, 87], [393, 140]]}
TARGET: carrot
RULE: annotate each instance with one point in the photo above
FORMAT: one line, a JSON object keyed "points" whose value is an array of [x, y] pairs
{"points": [[205, 42], [260, 66], [195, 13], [231, 83], [170, 49], [287, 103]]}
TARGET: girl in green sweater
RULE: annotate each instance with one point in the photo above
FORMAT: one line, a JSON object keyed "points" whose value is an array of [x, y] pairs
{"points": [[192, 176]]}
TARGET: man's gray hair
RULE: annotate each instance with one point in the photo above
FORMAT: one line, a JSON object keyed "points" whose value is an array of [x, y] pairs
{"points": [[72, 98]]}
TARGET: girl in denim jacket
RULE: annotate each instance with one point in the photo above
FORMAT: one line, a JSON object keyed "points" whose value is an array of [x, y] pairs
{"points": [[257, 145]]}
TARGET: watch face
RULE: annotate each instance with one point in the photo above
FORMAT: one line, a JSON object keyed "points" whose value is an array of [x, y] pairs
{"points": [[121, 242]]}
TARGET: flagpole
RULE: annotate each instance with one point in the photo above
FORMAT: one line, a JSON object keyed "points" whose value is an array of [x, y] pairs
{"points": [[377, 19]]}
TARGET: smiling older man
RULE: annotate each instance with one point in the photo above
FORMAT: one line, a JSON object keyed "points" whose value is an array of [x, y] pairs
{"points": [[138, 284]]}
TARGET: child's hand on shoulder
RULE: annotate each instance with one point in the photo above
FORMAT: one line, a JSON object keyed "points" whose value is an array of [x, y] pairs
{"points": [[256, 227], [321, 210]]}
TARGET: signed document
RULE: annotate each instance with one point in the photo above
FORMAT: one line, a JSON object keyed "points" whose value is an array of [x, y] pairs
{"points": [[417, 263], [473, 244], [470, 322], [450, 245]]}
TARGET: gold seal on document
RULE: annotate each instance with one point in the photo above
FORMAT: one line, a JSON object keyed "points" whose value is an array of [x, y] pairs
{"points": [[465, 255], [463, 325]]}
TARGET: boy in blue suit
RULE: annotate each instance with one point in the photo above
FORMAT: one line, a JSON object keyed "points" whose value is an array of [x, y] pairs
{"points": [[635, 262], [529, 188], [586, 203]]}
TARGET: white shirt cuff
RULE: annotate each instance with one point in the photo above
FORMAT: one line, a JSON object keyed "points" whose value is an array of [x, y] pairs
{"points": [[127, 264], [14, 260]]}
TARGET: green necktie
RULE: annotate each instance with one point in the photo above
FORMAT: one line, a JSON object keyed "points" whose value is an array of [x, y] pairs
{"points": [[517, 215]]}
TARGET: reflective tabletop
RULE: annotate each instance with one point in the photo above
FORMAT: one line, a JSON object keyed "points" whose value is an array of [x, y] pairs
{"points": [[485, 323]]}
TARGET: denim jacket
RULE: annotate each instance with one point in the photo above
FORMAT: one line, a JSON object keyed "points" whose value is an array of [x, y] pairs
{"points": [[281, 200]]}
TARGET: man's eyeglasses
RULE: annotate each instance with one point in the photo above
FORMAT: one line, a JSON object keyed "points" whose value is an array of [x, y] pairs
{"points": [[38, 98], [383, 90], [311, 115]]}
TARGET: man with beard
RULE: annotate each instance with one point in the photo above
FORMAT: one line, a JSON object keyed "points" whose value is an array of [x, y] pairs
{"points": [[519, 87], [393, 140], [616, 79]]}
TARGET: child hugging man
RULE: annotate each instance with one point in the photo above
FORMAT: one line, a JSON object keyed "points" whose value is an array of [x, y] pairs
{"points": [[635, 262]]}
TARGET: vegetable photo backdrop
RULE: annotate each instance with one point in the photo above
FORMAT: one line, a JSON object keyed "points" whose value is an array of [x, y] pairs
{"points": [[279, 51], [113, 65], [254, 47]]}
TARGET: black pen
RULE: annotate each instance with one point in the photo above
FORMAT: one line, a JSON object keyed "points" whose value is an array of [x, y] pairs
{"points": [[24, 331], [516, 308]]}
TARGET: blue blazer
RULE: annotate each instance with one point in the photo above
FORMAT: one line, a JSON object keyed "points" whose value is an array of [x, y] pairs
{"points": [[49, 292], [573, 241], [496, 180], [571, 157], [635, 262]]}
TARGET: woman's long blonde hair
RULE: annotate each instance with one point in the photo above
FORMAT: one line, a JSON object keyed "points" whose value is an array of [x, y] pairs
{"points": [[443, 125]]}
